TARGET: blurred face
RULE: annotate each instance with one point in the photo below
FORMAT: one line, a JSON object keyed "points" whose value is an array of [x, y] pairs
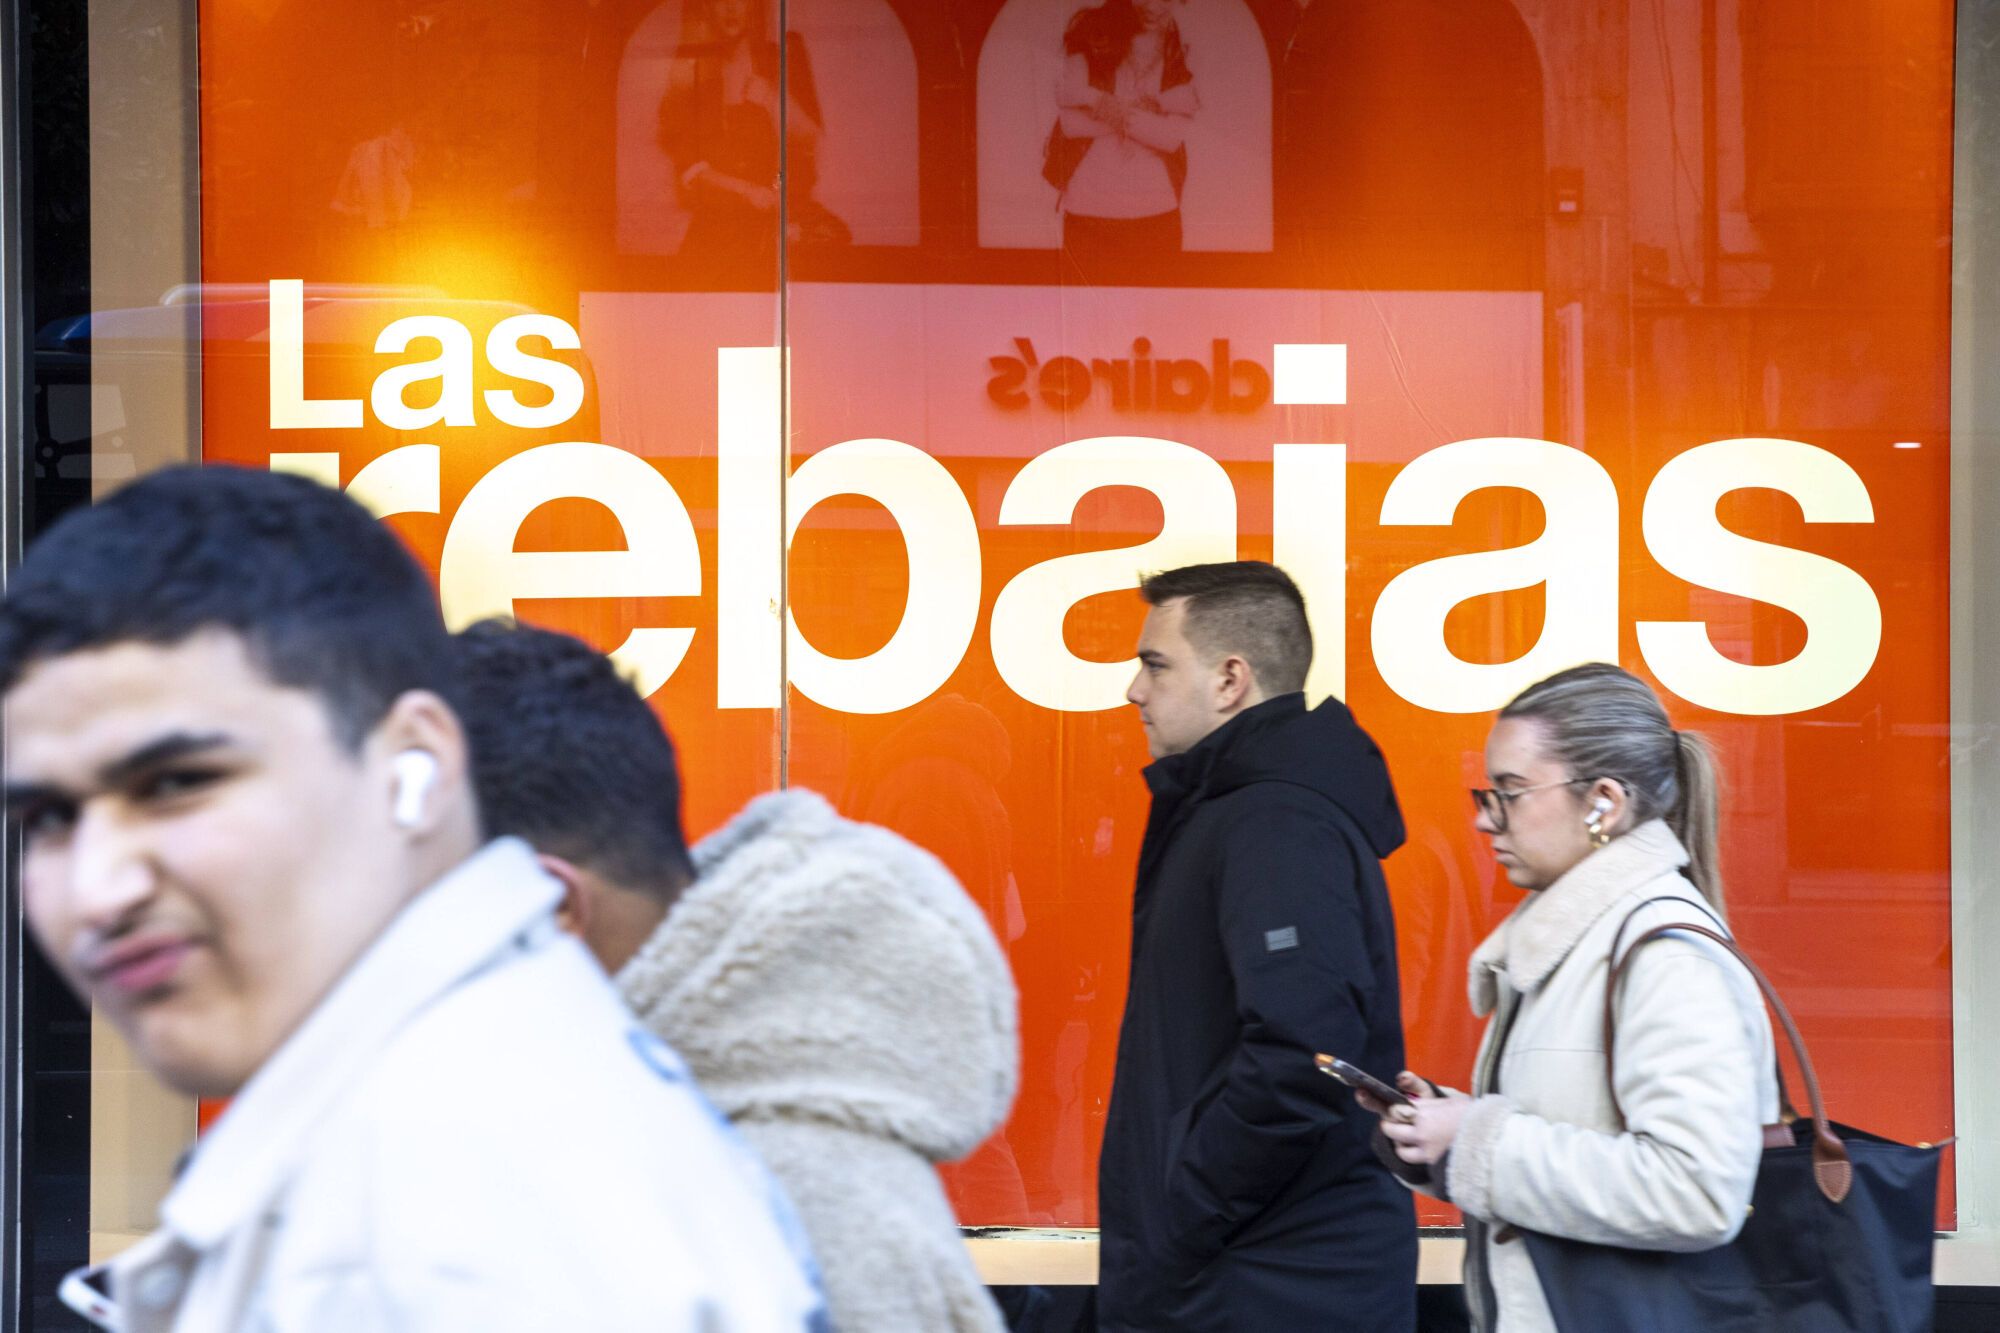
{"points": [[1546, 829], [732, 17], [201, 856], [1180, 698]]}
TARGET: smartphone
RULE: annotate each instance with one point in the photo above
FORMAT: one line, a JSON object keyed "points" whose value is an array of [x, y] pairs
{"points": [[1356, 1078], [88, 1292]]}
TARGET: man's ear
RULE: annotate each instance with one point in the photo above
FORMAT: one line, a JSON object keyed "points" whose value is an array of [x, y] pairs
{"points": [[420, 722], [1235, 685], [573, 912]]}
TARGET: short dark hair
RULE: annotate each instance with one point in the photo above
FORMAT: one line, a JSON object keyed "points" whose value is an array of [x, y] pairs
{"points": [[566, 755], [1247, 607], [325, 598]]}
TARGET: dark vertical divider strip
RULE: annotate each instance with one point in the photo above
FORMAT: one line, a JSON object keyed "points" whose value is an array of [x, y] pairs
{"points": [[45, 187], [13, 416]]}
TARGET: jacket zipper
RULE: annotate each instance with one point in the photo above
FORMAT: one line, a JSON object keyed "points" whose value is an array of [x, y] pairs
{"points": [[1485, 1079]]}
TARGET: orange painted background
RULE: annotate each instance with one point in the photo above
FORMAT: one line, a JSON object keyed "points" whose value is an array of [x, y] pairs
{"points": [[1631, 229]]}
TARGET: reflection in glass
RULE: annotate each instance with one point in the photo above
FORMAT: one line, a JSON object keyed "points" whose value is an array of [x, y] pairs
{"points": [[1126, 132], [700, 148]]}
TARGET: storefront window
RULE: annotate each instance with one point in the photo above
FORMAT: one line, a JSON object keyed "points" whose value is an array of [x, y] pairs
{"points": [[840, 365]]}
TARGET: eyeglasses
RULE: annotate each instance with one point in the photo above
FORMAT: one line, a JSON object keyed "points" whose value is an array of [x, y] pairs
{"points": [[1492, 802]]}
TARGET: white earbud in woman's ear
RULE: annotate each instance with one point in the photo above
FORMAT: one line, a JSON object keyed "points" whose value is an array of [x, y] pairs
{"points": [[1602, 806], [415, 772]]}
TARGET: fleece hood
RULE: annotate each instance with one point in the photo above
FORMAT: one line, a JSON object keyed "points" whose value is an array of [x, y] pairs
{"points": [[1322, 749], [830, 971]]}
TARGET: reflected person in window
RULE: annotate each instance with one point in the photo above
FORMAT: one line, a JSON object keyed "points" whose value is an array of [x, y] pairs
{"points": [[719, 121], [1125, 101]]}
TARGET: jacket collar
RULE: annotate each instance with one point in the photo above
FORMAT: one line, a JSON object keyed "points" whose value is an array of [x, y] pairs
{"points": [[496, 899], [1539, 933], [1179, 774]]}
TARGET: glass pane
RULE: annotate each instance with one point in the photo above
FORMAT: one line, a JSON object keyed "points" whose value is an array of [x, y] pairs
{"points": [[504, 316], [1315, 283]]}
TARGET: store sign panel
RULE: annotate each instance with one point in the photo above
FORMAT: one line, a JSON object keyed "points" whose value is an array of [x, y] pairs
{"points": [[481, 574]]}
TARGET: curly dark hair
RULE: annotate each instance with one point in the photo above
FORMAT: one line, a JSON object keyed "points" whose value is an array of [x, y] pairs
{"points": [[566, 755]]}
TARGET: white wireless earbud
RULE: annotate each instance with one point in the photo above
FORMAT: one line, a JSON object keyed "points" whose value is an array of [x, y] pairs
{"points": [[1602, 807], [415, 771]]}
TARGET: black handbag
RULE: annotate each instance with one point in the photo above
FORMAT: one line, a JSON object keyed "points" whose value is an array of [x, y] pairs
{"points": [[1838, 1239]]}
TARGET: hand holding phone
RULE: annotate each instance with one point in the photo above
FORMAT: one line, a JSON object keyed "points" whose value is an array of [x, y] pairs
{"points": [[1361, 1080]]}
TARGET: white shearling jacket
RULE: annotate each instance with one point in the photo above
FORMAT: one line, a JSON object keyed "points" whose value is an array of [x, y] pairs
{"points": [[1543, 1146], [470, 1133], [845, 1004]]}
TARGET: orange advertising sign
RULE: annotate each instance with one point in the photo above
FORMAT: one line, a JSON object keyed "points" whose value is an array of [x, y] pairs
{"points": [[1512, 356]]}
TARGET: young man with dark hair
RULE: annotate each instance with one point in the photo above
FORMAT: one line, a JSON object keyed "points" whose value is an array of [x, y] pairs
{"points": [[249, 838], [831, 986], [566, 757], [1237, 1188]]}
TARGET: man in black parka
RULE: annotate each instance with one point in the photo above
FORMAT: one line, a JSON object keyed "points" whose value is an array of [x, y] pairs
{"points": [[1237, 1190]]}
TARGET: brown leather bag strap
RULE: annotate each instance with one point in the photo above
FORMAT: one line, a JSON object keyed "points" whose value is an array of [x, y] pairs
{"points": [[1611, 991], [1775, 1135], [1832, 1170]]}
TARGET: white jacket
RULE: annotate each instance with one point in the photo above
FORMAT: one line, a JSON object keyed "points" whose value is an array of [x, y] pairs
{"points": [[469, 1135], [845, 1004], [1543, 1147]]}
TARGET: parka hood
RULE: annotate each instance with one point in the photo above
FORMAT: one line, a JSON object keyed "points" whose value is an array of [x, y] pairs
{"points": [[826, 970], [1323, 749]]}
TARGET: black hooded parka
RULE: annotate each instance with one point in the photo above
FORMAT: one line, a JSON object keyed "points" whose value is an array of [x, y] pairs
{"points": [[1237, 1189]]}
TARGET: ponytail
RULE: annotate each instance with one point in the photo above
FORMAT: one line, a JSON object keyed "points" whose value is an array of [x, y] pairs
{"points": [[1604, 722], [1695, 815]]}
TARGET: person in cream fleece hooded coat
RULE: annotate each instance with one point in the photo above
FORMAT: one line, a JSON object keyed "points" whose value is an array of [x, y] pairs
{"points": [[845, 1005], [835, 993]]}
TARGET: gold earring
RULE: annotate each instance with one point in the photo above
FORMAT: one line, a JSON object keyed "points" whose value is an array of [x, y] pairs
{"points": [[1598, 837]]}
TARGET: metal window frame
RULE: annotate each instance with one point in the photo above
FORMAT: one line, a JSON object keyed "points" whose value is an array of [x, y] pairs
{"points": [[13, 418], [1970, 1256]]}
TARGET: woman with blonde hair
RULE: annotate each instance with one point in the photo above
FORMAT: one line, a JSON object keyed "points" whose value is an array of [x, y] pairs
{"points": [[1606, 815]]}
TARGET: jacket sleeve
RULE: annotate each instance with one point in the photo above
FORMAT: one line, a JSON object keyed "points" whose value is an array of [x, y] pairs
{"points": [[1288, 912], [415, 1216], [1694, 1081], [389, 1297], [417, 1298]]}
